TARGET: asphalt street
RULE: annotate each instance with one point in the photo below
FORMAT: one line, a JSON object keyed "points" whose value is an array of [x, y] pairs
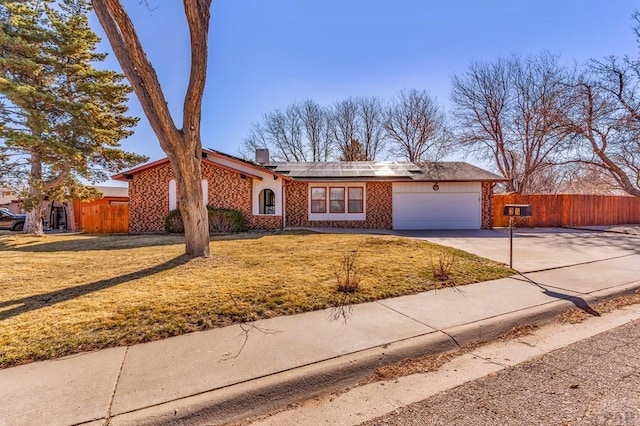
{"points": [[592, 382]]}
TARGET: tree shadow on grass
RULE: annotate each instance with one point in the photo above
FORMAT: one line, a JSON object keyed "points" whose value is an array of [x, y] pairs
{"points": [[109, 242], [89, 243], [32, 303]]}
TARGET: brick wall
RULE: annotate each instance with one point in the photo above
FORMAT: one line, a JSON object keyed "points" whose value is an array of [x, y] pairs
{"points": [[272, 222], [378, 208], [487, 206], [149, 197], [227, 189]]}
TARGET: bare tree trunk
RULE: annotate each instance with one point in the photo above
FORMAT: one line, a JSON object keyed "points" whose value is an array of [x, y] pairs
{"points": [[33, 221], [183, 147], [71, 216], [191, 203]]}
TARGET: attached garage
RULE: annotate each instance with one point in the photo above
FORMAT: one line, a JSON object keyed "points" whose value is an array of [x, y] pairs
{"points": [[430, 205]]}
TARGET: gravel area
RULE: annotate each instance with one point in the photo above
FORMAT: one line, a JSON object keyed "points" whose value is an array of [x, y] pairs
{"points": [[626, 229], [631, 229], [592, 382]]}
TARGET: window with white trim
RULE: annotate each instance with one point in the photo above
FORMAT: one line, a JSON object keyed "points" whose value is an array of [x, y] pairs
{"points": [[337, 199]]}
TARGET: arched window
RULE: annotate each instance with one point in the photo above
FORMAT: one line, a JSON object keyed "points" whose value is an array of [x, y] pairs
{"points": [[267, 202]]}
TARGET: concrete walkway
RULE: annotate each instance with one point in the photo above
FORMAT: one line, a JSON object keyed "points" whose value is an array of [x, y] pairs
{"points": [[226, 373]]}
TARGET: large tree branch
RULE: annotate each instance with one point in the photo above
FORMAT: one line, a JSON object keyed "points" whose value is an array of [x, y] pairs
{"points": [[56, 181], [136, 66], [197, 12]]}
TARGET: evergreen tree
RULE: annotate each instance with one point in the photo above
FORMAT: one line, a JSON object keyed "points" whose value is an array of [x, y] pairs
{"points": [[62, 118]]}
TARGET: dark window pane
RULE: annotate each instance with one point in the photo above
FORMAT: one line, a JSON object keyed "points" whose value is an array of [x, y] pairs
{"points": [[318, 206], [336, 193], [318, 193], [337, 206], [356, 193], [336, 196], [355, 206]]}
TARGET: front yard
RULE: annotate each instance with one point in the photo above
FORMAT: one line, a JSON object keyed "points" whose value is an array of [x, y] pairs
{"points": [[64, 294]]}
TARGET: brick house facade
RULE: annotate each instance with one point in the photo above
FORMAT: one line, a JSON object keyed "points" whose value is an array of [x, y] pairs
{"points": [[149, 197], [279, 195]]}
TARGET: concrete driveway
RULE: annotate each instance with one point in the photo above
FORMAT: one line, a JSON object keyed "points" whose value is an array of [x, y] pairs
{"points": [[540, 249]]}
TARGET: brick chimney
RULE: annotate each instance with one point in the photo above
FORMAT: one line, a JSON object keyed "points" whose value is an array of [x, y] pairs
{"points": [[262, 156]]}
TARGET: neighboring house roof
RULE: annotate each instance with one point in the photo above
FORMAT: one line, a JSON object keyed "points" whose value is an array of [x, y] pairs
{"points": [[7, 197], [112, 191], [207, 155], [450, 171]]}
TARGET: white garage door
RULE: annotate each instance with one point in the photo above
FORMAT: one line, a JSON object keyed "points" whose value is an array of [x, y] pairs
{"points": [[453, 206]]}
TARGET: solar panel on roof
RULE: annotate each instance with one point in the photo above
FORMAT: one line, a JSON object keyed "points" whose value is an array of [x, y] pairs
{"points": [[349, 169]]}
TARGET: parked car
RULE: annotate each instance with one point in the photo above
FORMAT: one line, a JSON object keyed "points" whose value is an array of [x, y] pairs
{"points": [[14, 222]]}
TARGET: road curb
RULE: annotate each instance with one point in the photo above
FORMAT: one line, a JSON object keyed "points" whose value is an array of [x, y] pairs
{"points": [[263, 395]]}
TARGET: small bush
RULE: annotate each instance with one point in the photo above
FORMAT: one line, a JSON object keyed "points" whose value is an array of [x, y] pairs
{"points": [[442, 268], [225, 220], [220, 221], [347, 273], [173, 223]]}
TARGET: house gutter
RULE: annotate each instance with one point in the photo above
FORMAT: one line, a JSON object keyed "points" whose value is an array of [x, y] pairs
{"points": [[284, 207]]}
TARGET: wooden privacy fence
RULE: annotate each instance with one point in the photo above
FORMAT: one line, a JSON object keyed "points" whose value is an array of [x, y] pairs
{"points": [[112, 219], [569, 210]]}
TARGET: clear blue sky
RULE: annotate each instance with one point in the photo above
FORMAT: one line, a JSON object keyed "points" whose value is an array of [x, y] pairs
{"points": [[266, 54]]}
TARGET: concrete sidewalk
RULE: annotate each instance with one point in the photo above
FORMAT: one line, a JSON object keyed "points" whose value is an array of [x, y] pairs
{"points": [[225, 373]]}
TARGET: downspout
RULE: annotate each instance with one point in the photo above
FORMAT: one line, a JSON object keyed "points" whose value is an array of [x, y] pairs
{"points": [[283, 202]]}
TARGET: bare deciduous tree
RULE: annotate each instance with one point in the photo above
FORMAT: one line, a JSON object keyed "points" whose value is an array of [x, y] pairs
{"points": [[299, 133], [343, 123], [306, 131], [605, 120], [510, 112], [358, 119], [284, 129], [580, 178], [316, 129], [416, 126], [183, 146], [371, 130]]}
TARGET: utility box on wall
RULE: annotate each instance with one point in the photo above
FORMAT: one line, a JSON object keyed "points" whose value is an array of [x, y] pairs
{"points": [[517, 210]]}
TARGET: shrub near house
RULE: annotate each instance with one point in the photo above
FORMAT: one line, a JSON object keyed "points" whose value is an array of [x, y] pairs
{"points": [[220, 221]]}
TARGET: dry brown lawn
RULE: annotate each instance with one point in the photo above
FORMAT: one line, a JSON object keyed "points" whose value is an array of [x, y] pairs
{"points": [[63, 294]]}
